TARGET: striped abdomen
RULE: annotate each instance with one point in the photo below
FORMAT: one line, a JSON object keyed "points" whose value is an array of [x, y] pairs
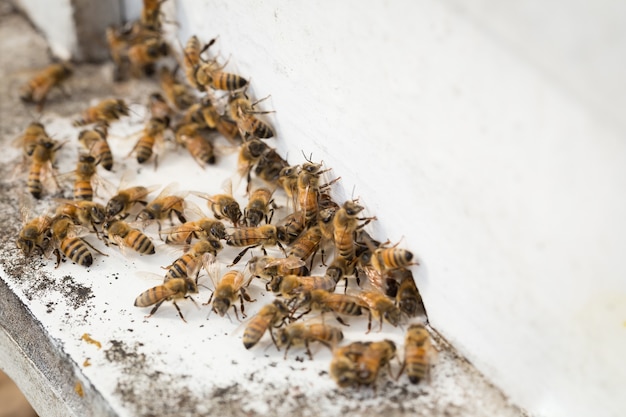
{"points": [[76, 250]]}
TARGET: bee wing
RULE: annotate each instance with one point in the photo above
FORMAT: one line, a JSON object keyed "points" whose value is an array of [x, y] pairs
{"points": [[193, 210], [213, 269], [290, 262], [167, 190], [78, 231], [101, 183], [227, 186]]}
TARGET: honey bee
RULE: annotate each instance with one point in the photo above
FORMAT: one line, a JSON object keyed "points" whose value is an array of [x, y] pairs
{"points": [[232, 286], [291, 286], [192, 58], [172, 290], [34, 235], [417, 352], [307, 244], [291, 227], [345, 224], [151, 14], [270, 166], [95, 141], [384, 259], [268, 267], [84, 175], [164, 206], [242, 111], [343, 366], [288, 180], [41, 164], [122, 202], [82, 212], [223, 206], [209, 74], [106, 111], [258, 207], [302, 334], [270, 316], [340, 268], [408, 298], [124, 235], [327, 301], [253, 237], [33, 134], [204, 228], [142, 56], [201, 149], [158, 107], [375, 356], [64, 236], [188, 265], [37, 88], [176, 92], [308, 190], [151, 140], [215, 120], [380, 307], [250, 152]]}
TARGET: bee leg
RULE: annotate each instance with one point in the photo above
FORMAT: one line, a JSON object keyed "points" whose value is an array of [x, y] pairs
{"points": [[237, 314], [340, 320], [273, 339], [369, 322], [58, 255], [243, 252], [281, 247], [208, 302], [286, 350], [92, 247], [180, 313], [308, 349], [155, 308]]}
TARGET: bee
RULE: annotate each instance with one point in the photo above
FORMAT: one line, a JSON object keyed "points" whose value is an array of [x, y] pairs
{"points": [[288, 180], [302, 334], [308, 190], [384, 259], [37, 88], [291, 227], [307, 244], [345, 224], [417, 352], [189, 264], [82, 212], [253, 237], [291, 286], [193, 59], [42, 159], [34, 235], [122, 202], [375, 356], [232, 286], [408, 298], [165, 205], [343, 366], [172, 290], [242, 111], [201, 149], [158, 107], [250, 152], [269, 167], [151, 14], [95, 141], [33, 134], [204, 228], [223, 206], [380, 307], [209, 74], [270, 316], [325, 222], [215, 120], [142, 56], [327, 301], [124, 235], [64, 236], [106, 111], [268, 267], [258, 207], [176, 92], [84, 175], [340, 268], [151, 140]]}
